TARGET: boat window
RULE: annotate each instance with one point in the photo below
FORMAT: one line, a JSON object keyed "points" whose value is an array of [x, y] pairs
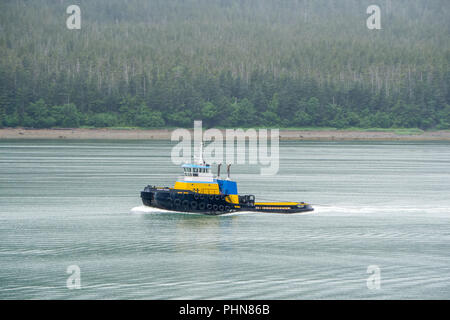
{"points": [[195, 170]]}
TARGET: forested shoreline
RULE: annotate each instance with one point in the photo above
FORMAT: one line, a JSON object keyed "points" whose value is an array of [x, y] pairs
{"points": [[231, 63]]}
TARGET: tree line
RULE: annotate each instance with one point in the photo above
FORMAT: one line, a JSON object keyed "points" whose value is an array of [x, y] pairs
{"points": [[231, 63]]}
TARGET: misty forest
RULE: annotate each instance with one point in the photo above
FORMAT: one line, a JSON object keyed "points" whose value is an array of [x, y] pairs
{"points": [[232, 63]]}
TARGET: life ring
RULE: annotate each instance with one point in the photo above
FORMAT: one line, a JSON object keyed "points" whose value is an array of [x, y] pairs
{"points": [[194, 205], [217, 197], [201, 206], [185, 204], [211, 197], [215, 207], [221, 208], [177, 202], [209, 206]]}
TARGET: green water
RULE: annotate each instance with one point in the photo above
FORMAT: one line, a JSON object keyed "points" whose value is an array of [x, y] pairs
{"points": [[68, 203]]}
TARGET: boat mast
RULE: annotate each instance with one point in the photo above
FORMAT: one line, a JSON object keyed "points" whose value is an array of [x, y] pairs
{"points": [[198, 139], [198, 154], [200, 158]]}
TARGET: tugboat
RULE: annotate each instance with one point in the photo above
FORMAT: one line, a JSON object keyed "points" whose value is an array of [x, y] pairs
{"points": [[201, 192]]}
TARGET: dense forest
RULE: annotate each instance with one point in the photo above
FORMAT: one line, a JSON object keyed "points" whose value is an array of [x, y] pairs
{"points": [[293, 63]]}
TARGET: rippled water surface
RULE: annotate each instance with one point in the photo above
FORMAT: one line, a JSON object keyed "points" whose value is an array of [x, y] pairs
{"points": [[68, 203]]}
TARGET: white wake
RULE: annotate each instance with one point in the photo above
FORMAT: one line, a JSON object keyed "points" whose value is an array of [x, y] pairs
{"points": [[150, 210], [322, 210]]}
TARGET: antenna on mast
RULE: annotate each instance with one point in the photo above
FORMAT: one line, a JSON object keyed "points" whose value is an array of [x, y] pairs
{"points": [[198, 139], [200, 157]]}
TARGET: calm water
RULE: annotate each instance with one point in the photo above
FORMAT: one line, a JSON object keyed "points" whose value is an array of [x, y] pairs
{"points": [[68, 203]]}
